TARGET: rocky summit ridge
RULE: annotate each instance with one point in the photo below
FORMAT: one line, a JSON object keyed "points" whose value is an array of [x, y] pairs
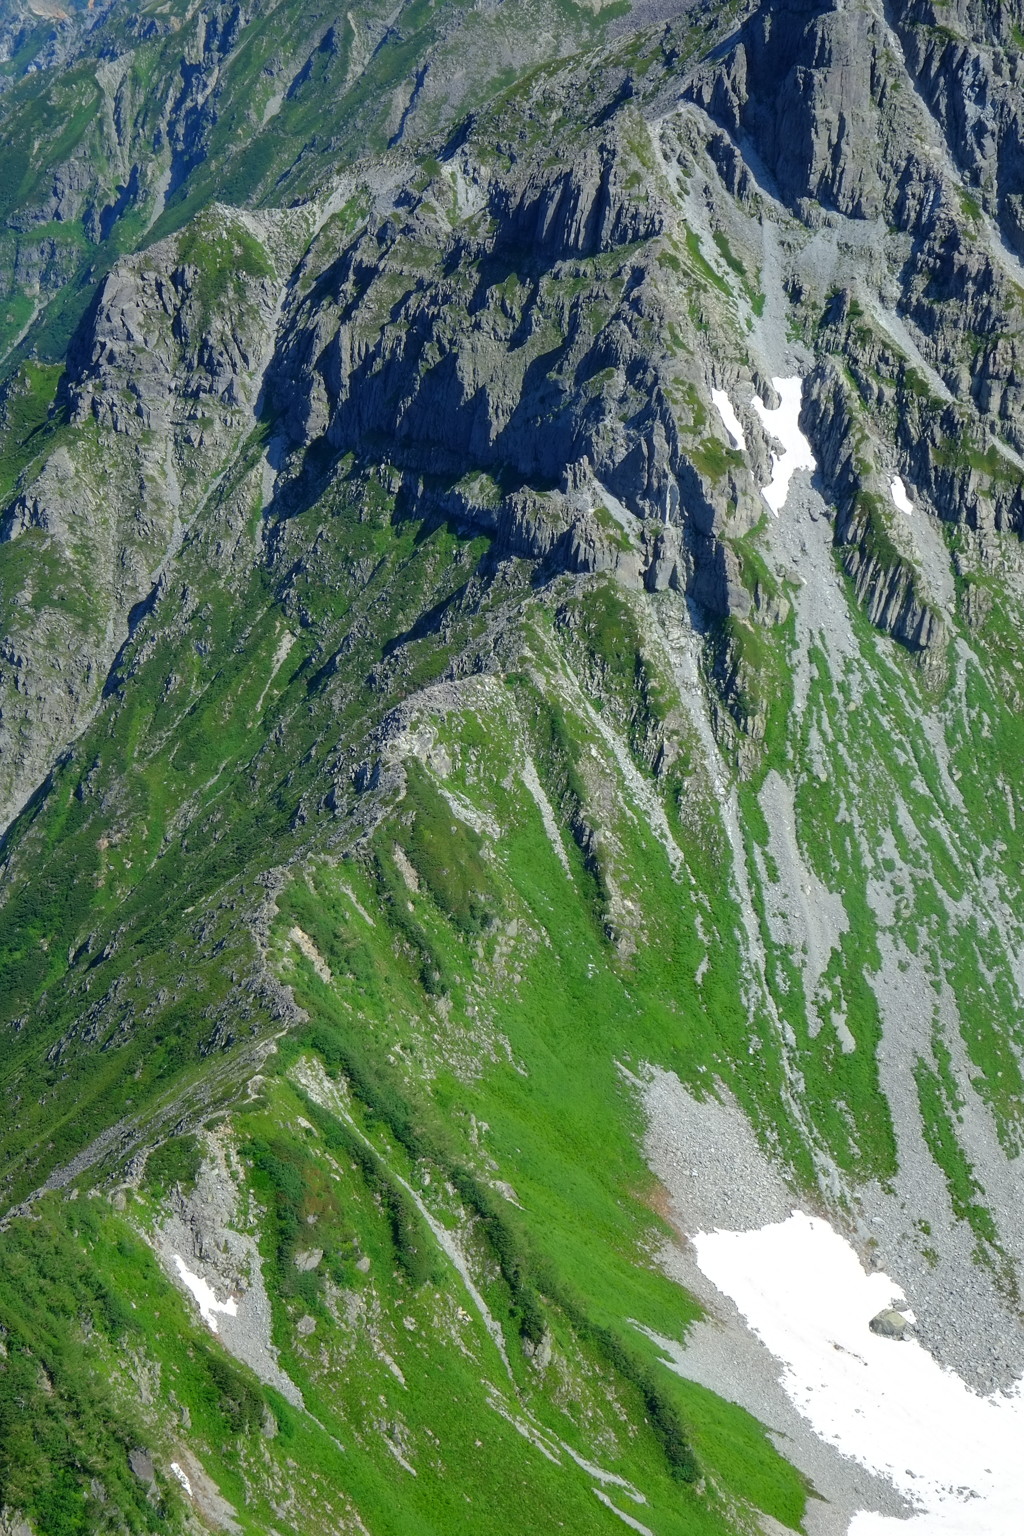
{"points": [[510, 720]]}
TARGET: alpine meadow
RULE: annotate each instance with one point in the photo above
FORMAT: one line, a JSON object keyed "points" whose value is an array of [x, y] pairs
{"points": [[511, 788]]}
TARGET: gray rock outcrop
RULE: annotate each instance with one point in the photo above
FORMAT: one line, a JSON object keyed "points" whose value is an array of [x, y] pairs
{"points": [[530, 348], [890, 1324]]}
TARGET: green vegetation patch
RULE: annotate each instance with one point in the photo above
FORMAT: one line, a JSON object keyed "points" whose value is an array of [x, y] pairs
{"points": [[27, 422], [223, 253], [445, 852], [174, 1164]]}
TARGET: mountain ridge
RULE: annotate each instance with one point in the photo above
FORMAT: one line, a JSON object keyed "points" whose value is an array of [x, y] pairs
{"points": [[432, 767]]}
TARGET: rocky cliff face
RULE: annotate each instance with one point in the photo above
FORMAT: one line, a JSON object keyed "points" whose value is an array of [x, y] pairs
{"points": [[158, 396], [525, 343], [966, 64], [509, 635]]}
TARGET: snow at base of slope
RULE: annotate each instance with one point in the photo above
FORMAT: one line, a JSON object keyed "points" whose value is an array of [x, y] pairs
{"points": [[900, 498], [730, 420], [205, 1296], [209, 1222], [182, 1477], [783, 424], [954, 1454]]}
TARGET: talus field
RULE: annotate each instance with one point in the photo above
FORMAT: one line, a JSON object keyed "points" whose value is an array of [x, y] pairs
{"points": [[462, 838]]}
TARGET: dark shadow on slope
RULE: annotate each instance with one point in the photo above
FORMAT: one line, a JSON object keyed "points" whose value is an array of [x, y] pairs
{"points": [[429, 623]]}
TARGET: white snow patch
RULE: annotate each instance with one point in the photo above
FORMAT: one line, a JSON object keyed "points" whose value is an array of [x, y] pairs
{"points": [[730, 420], [182, 1478], [205, 1296], [899, 495], [783, 424], [272, 107], [954, 1454], [645, 1530]]}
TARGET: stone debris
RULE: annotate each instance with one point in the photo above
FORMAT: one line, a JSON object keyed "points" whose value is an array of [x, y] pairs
{"points": [[890, 1324], [308, 1258]]}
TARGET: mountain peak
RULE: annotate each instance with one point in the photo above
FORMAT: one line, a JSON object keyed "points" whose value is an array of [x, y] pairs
{"points": [[510, 722]]}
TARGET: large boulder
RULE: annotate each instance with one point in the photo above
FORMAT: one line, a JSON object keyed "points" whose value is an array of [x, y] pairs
{"points": [[890, 1324]]}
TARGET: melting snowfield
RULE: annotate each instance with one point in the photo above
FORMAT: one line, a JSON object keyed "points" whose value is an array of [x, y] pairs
{"points": [[205, 1296], [957, 1457], [182, 1477], [899, 495], [783, 424], [730, 420]]}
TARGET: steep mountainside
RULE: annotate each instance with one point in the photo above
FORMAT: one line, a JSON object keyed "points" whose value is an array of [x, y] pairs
{"points": [[511, 706]]}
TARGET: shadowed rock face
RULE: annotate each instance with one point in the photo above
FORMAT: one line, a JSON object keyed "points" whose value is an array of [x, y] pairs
{"points": [[971, 84], [802, 87], [419, 715], [516, 339], [162, 383]]}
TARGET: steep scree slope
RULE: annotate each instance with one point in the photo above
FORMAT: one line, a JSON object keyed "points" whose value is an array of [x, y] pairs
{"points": [[417, 726]]}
